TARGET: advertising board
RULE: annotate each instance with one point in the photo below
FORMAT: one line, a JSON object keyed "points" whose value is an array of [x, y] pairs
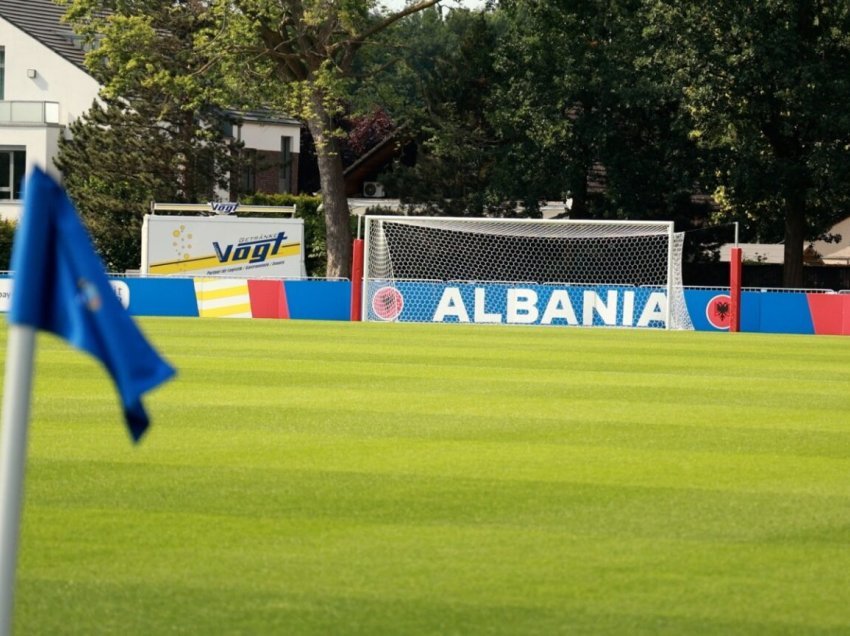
{"points": [[223, 246], [504, 303]]}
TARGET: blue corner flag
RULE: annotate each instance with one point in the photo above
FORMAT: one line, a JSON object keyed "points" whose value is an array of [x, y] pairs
{"points": [[60, 286]]}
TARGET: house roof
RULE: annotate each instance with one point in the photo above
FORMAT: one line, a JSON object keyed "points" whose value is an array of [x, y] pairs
{"points": [[755, 252], [374, 159], [42, 20], [837, 248]]}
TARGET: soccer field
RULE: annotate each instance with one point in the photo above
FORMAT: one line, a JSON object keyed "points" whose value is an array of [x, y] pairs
{"points": [[346, 478]]}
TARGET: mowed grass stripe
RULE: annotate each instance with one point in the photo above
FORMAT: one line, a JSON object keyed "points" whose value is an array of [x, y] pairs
{"points": [[315, 478]]}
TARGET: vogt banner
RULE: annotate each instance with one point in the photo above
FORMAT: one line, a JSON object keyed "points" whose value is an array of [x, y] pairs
{"points": [[223, 246], [518, 304]]}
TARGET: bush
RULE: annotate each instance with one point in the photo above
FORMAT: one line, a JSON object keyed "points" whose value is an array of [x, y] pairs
{"points": [[7, 234], [307, 208]]}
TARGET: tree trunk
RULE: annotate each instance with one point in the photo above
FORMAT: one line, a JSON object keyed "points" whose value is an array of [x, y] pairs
{"points": [[792, 271], [334, 199], [190, 172], [788, 153], [579, 193]]}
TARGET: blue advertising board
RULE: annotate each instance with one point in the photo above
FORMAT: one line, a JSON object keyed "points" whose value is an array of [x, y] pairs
{"points": [[161, 296], [518, 304], [762, 311]]}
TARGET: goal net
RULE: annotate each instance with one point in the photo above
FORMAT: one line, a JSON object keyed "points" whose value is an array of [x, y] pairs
{"points": [[521, 271]]}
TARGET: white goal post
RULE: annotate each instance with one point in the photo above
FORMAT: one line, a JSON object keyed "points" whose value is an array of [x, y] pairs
{"points": [[523, 271]]}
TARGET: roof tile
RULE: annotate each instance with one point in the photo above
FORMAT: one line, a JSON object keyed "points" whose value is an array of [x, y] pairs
{"points": [[42, 20]]}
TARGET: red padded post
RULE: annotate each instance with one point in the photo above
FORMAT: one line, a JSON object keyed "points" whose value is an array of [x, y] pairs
{"points": [[735, 289], [356, 279]]}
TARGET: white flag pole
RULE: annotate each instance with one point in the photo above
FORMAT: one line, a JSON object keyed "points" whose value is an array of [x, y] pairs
{"points": [[17, 391]]}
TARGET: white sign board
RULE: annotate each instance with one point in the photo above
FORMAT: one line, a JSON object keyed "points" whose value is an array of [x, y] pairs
{"points": [[5, 294], [243, 247], [121, 289]]}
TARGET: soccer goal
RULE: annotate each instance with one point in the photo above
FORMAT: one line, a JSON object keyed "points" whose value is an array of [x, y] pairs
{"points": [[523, 271]]}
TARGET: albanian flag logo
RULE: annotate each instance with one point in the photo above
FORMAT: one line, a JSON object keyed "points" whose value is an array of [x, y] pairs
{"points": [[719, 311], [387, 303]]}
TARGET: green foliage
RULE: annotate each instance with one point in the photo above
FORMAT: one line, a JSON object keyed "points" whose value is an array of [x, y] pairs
{"points": [[443, 89], [765, 87], [158, 132], [298, 57], [627, 107], [290, 56], [588, 116], [527, 104], [118, 160], [307, 208], [7, 236], [148, 49], [630, 107]]}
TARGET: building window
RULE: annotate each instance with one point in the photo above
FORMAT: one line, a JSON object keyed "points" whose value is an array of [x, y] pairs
{"points": [[2, 73], [13, 166], [285, 181], [248, 169]]}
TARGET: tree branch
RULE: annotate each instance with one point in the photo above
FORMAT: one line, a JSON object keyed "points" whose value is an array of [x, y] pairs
{"points": [[393, 18]]}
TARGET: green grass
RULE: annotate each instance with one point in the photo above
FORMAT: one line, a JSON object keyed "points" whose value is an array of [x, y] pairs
{"points": [[334, 478]]}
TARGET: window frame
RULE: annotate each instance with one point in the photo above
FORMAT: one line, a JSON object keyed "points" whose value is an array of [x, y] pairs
{"points": [[285, 173], [17, 166], [2, 73]]}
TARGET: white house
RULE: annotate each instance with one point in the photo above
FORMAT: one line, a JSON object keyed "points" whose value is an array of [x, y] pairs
{"points": [[765, 253], [44, 86], [836, 253]]}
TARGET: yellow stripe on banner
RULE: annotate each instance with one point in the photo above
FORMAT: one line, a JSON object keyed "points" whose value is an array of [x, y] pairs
{"points": [[224, 292], [210, 262], [196, 264], [224, 312]]}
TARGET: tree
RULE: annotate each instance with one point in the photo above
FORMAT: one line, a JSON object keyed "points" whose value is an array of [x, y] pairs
{"points": [[765, 86], [157, 132], [297, 56], [538, 101], [594, 113], [436, 72], [116, 160]]}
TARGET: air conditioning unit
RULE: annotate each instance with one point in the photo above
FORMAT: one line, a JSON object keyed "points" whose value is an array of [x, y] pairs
{"points": [[373, 189]]}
